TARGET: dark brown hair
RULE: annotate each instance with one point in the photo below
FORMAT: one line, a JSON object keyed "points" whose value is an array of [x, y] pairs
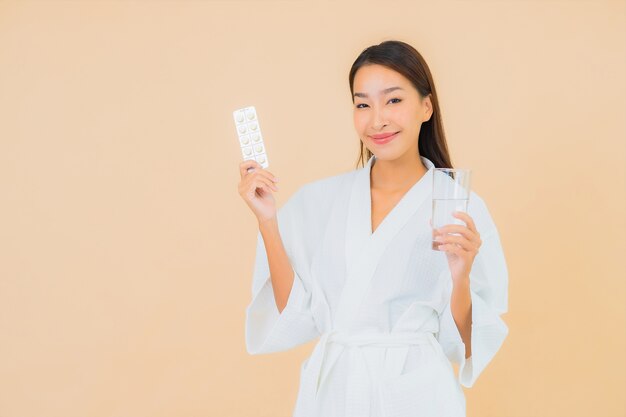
{"points": [[403, 58]]}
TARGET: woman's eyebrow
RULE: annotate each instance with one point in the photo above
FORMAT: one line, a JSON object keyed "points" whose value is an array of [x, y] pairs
{"points": [[385, 91]]}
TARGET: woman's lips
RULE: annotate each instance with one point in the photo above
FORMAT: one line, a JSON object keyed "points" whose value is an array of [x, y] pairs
{"points": [[384, 139]]}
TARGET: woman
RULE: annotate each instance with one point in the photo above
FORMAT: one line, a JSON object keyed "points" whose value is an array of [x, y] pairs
{"points": [[348, 258]]}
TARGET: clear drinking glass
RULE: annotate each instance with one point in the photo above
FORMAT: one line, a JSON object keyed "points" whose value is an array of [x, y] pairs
{"points": [[451, 191]]}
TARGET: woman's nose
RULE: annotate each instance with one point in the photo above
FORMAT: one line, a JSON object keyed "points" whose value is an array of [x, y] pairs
{"points": [[379, 119]]}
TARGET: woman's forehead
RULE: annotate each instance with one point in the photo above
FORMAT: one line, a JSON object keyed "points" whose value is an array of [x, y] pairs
{"points": [[379, 77], [373, 85]]}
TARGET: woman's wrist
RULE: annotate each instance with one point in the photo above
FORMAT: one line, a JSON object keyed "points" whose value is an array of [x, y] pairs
{"points": [[270, 224]]}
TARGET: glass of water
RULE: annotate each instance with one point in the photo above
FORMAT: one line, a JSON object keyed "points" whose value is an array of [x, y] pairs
{"points": [[451, 191]]}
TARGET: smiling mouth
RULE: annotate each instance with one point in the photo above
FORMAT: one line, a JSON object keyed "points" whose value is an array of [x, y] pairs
{"points": [[385, 139]]}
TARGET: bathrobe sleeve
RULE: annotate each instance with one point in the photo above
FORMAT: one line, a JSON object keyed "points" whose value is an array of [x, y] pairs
{"points": [[489, 294], [267, 330]]}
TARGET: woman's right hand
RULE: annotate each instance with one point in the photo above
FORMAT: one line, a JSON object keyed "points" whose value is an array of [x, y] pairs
{"points": [[256, 188]]}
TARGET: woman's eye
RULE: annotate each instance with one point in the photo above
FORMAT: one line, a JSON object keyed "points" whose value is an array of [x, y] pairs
{"points": [[358, 106]]}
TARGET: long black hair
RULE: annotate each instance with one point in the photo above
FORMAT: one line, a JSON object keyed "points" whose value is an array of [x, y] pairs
{"points": [[403, 58]]}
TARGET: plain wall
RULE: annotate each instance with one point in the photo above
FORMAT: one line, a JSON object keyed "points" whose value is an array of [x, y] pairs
{"points": [[126, 252]]}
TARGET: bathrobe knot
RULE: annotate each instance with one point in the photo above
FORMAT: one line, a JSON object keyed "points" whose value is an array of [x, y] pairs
{"points": [[319, 366]]}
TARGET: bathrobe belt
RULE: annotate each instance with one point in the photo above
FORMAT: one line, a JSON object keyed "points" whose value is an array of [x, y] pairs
{"points": [[320, 363]]}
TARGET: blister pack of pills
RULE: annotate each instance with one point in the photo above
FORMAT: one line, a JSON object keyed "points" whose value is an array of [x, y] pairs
{"points": [[249, 134]]}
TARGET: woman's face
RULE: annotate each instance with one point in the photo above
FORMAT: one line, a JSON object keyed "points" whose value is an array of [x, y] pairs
{"points": [[380, 108]]}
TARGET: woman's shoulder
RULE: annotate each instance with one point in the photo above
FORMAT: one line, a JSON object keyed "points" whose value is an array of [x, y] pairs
{"points": [[315, 197], [327, 186], [480, 213]]}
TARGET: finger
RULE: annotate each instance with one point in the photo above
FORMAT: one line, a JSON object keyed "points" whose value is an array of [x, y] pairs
{"points": [[467, 218], [452, 248], [259, 189], [264, 174], [267, 182], [249, 164], [455, 228], [456, 240], [260, 171]]}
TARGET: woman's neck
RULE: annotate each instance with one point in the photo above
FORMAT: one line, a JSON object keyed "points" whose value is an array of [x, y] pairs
{"points": [[396, 175]]}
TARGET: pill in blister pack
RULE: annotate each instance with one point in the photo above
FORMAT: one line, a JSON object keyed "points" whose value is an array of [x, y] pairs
{"points": [[249, 133]]}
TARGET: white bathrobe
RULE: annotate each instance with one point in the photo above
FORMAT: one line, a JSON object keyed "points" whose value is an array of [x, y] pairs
{"points": [[379, 302]]}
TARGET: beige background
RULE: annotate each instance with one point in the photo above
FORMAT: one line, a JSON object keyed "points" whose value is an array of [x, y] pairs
{"points": [[126, 252]]}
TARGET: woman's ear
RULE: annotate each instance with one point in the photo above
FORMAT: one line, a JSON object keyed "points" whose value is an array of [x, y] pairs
{"points": [[428, 108]]}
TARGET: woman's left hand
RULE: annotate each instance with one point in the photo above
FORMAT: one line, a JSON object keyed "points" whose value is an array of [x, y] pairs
{"points": [[460, 250]]}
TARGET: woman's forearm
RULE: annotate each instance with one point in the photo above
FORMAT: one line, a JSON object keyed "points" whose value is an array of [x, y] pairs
{"points": [[281, 271], [461, 307]]}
